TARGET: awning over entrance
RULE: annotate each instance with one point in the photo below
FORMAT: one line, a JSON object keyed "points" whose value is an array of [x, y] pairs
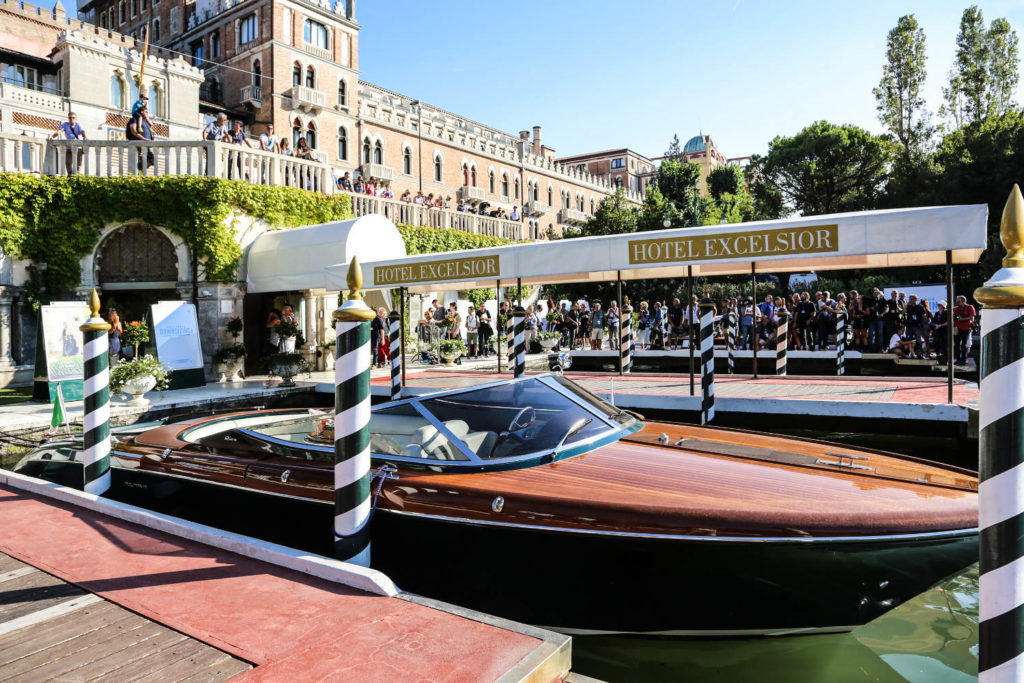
{"points": [[288, 260], [868, 239]]}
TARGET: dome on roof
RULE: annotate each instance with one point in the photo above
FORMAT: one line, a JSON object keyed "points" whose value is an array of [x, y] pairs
{"points": [[696, 144]]}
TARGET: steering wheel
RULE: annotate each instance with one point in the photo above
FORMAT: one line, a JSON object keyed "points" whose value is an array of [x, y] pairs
{"points": [[516, 425]]}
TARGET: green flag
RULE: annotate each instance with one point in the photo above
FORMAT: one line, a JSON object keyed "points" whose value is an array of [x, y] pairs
{"points": [[59, 417]]}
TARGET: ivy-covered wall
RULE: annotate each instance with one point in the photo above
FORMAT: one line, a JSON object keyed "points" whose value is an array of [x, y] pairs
{"points": [[424, 240]]}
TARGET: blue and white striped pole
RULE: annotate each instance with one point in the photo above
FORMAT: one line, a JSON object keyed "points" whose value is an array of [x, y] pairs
{"points": [[781, 341], [96, 392], [352, 424], [626, 336], [519, 341], [707, 361], [394, 342], [1001, 450]]}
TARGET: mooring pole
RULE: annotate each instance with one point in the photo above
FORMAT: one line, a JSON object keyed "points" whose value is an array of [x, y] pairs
{"points": [[394, 329], [352, 424], [707, 361], [614, 343], [841, 341], [753, 297], [689, 320], [402, 309], [781, 341], [497, 326], [1001, 450], [949, 327], [519, 339], [625, 337], [730, 339], [96, 420]]}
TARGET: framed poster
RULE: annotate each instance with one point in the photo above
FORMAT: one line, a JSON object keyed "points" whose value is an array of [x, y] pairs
{"points": [[176, 333], [59, 350]]}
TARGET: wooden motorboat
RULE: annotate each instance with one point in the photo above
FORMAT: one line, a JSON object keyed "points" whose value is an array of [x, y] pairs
{"points": [[535, 500]]}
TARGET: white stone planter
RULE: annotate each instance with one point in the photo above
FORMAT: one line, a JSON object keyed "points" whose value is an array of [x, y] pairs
{"points": [[138, 386], [449, 360], [287, 345], [548, 343], [286, 372], [229, 370]]}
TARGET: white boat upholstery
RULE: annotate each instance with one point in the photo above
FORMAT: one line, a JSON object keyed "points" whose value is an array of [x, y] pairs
{"points": [[420, 439]]}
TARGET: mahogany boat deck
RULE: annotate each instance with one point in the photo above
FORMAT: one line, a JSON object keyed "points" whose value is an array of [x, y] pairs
{"points": [[85, 594]]}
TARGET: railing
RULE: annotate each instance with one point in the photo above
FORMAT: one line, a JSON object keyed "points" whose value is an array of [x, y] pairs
{"points": [[320, 52], [253, 94], [417, 214], [27, 97], [572, 216], [378, 171], [21, 154], [307, 98], [472, 194], [535, 208]]}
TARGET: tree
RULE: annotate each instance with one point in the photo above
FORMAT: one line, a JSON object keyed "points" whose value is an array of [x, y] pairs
{"points": [[901, 106], [674, 151], [826, 168], [1002, 66], [965, 94], [768, 203], [614, 216], [725, 180]]}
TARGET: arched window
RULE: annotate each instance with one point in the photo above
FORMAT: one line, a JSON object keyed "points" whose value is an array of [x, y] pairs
{"points": [[120, 12], [155, 107], [516, 188], [472, 176], [315, 34], [490, 182], [103, 20], [342, 144], [257, 73], [580, 204], [438, 168], [407, 161], [550, 197], [618, 181], [215, 44], [296, 133], [465, 175], [310, 77], [341, 93], [367, 150], [135, 7], [311, 135], [536, 192], [215, 94], [378, 152], [156, 35], [116, 92], [296, 74], [591, 205], [504, 185]]}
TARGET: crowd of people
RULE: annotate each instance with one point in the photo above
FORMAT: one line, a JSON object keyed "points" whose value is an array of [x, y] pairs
{"points": [[900, 324]]}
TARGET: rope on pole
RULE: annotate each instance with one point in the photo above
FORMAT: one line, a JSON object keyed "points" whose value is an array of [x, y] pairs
{"points": [[707, 361], [395, 331], [841, 342], [626, 336], [519, 339], [352, 424], [96, 392], [1001, 450], [781, 339], [730, 340]]}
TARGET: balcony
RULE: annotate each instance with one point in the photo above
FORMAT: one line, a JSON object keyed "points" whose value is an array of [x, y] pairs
{"points": [[472, 194], [535, 208], [252, 95], [572, 217], [320, 52], [379, 171], [307, 99], [31, 98]]}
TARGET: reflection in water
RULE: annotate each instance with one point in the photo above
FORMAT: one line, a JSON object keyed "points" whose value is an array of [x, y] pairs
{"points": [[930, 639]]}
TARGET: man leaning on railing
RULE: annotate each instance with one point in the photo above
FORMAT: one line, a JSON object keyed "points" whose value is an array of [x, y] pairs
{"points": [[71, 130]]}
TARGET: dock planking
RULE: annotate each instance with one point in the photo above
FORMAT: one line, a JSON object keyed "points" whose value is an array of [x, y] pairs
{"points": [[53, 630]]}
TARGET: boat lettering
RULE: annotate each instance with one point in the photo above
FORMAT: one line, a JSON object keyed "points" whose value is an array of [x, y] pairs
{"points": [[811, 239], [438, 271]]}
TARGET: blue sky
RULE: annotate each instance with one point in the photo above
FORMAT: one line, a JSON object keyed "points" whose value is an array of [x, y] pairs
{"points": [[604, 74]]}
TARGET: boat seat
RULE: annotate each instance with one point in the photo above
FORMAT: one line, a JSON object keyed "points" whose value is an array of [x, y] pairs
{"points": [[435, 445]]}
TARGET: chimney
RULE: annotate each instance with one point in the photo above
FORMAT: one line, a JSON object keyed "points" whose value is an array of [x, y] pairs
{"points": [[536, 140]]}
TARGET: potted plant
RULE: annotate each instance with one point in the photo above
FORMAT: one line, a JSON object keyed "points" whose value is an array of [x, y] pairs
{"points": [[229, 359], [286, 365], [450, 349], [137, 376], [287, 332], [549, 340], [135, 332]]}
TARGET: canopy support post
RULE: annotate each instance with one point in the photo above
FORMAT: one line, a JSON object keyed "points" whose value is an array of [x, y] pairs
{"points": [[689, 320], [753, 297], [499, 331], [613, 333], [401, 342], [519, 292], [949, 326]]}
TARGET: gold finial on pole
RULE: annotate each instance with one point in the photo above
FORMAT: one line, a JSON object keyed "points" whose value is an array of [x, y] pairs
{"points": [[354, 278], [354, 310], [95, 323], [1011, 230], [1005, 289], [94, 304]]}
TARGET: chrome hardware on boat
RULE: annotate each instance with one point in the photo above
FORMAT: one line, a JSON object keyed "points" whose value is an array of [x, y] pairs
{"points": [[285, 475], [380, 474], [844, 460], [497, 504], [664, 438]]}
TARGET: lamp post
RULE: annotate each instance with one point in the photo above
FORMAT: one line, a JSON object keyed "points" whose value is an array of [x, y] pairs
{"points": [[419, 139]]}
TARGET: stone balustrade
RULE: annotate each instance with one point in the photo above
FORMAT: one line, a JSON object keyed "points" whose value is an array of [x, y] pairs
{"points": [[406, 213], [252, 94], [572, 217], [19, 97], [307, 98], [21, 154]]}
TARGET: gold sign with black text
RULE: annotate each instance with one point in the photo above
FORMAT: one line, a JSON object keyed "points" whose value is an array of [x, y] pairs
{"points": [[472, 268], [811, 239]]}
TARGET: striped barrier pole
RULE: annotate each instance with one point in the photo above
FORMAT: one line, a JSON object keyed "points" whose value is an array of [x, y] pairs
{"points": [[841, 342], [510, 339], [781, 341], [96, 392], [519, 340], [626, 336], [707, 361], [352, 424], [1001, 450], [730, 340], [395, 331]]}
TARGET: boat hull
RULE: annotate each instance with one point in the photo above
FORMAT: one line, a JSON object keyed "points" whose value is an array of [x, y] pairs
{"points": [[595, 582]]}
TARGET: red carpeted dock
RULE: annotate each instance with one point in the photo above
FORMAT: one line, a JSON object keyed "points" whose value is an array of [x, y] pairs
{"points": [[289, 625]]}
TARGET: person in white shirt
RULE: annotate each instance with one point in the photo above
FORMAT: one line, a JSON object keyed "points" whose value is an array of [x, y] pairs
{"points": [[900, 347], [268, 141]]}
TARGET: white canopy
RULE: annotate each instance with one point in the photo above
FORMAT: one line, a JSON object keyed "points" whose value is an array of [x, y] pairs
{"points": [[867, 239], [287, 260]]}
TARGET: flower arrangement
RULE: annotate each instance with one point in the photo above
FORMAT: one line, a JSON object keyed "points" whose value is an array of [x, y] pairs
{"points": [[280, 360], [135, 332], [452, 347], [286, 329], [128, 370], [554, 317], [229, 354], [543, 336]]}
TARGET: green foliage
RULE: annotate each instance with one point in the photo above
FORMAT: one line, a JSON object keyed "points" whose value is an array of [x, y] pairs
{"points": [[674, 151], [57, 219], [275, 361], [451, 347], [730, 208], [827, 168], [285, 329], [139, 367], [228, 354], [725, 180], [478, 296], [424, 240], [614, 216], [135, 332], [678, 180], [769, 203], [1003, 63], [900, 104], [235, 326], [985, 71]]}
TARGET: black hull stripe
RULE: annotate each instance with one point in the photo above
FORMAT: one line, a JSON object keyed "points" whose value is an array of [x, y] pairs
{"points": [[95, 470], [1000, 638], [996, 455], [351, 445], [1002, 346], [352, 495], [1002, 543]]}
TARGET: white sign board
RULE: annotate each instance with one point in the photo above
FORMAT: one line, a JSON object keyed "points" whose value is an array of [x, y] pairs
{"points": [[63, 339], [177, 335]]}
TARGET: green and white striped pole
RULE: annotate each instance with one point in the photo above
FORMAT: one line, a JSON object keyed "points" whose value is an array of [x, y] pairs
{"points": [[96, 392], [781, 341], [1001, 450], [352, 424]]}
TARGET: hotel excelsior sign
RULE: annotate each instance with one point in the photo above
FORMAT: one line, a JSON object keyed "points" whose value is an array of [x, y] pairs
{"points": [[811, 239], [472, 268]]}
